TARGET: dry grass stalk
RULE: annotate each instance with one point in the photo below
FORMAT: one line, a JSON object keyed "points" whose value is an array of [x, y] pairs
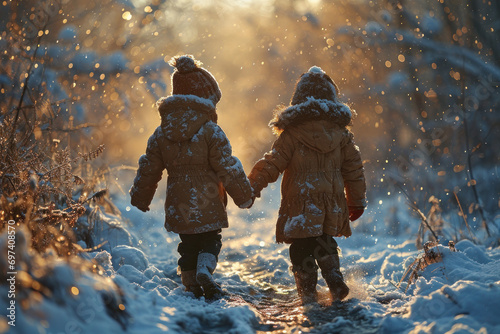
{"points": [[433, 219], [431, 255], [462, 213]]}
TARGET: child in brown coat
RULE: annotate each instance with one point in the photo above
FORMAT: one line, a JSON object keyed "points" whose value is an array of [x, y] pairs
{"points": [[198, 158], [323, 185]]}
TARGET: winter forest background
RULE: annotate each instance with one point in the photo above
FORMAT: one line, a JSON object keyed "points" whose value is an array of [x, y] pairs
{"points": [[78, 85]]}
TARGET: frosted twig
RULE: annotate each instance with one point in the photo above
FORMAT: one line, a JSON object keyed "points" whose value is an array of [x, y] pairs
{"points": [[420, 213], [463, 215]]}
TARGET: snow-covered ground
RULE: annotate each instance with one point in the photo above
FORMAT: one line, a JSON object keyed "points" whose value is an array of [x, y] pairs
{"points": [[460, 294]]}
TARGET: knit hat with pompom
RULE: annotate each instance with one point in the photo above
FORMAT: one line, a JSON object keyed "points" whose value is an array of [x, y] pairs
{"points": [[314, 83], [189, 78]]}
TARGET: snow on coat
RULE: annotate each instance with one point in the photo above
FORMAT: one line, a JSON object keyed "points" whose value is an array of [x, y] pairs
{"points": [[198, 158], [323, 170]]}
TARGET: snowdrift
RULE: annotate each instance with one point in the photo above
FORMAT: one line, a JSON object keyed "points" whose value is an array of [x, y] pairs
{"points": [[136, 288]]}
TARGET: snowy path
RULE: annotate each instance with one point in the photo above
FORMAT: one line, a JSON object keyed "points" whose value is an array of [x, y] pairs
{"points": [[283, 313], [254, 270]]}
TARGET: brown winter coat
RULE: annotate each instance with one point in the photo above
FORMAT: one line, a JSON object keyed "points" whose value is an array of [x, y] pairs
{"points": [[198, 158], [321, 165]]}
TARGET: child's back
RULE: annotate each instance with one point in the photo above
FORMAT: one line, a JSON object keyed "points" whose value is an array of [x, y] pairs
{"points": [[198, 158], [321, 166]]}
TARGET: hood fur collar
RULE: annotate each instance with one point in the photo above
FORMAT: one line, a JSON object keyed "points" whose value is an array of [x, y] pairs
{"points": [[312, 109], [178, 102], [182, 116]]}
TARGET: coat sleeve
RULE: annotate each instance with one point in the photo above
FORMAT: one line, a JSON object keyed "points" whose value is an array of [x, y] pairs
{"points": [[353, 173], [274, 162], [148, 175], [228, 168]]}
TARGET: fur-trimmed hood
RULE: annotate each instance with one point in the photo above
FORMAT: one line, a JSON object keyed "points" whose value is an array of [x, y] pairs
{"points": [[319, 124], [333, 111], [182, 116]]}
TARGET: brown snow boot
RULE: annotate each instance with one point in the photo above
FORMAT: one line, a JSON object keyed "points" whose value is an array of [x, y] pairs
{"points": [[306, 282], [206, 267], [330, 270], [188, 279]]}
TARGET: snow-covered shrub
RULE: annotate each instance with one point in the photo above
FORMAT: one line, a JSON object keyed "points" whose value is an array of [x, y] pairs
{"points": [[58, 96], [47, 285]]}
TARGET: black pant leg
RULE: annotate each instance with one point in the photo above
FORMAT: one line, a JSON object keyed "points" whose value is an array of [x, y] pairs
{"points": [[188, 248], [301, 254], [193, 244], [211, 243], [305, 251], [324, 245]]}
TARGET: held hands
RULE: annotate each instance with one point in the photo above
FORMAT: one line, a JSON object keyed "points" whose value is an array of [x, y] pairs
{"points": [[355, 212], [248, 204]]}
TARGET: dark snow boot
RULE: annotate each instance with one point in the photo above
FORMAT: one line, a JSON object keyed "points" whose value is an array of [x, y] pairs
{"points": [[306, 282], [330, 270], [206, 267], [188, 279]]}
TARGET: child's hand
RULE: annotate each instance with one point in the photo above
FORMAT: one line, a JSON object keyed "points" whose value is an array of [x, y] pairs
{"points": [[255, 194], [248, 204], [143, 209], [135, 201], [355, 212]]}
